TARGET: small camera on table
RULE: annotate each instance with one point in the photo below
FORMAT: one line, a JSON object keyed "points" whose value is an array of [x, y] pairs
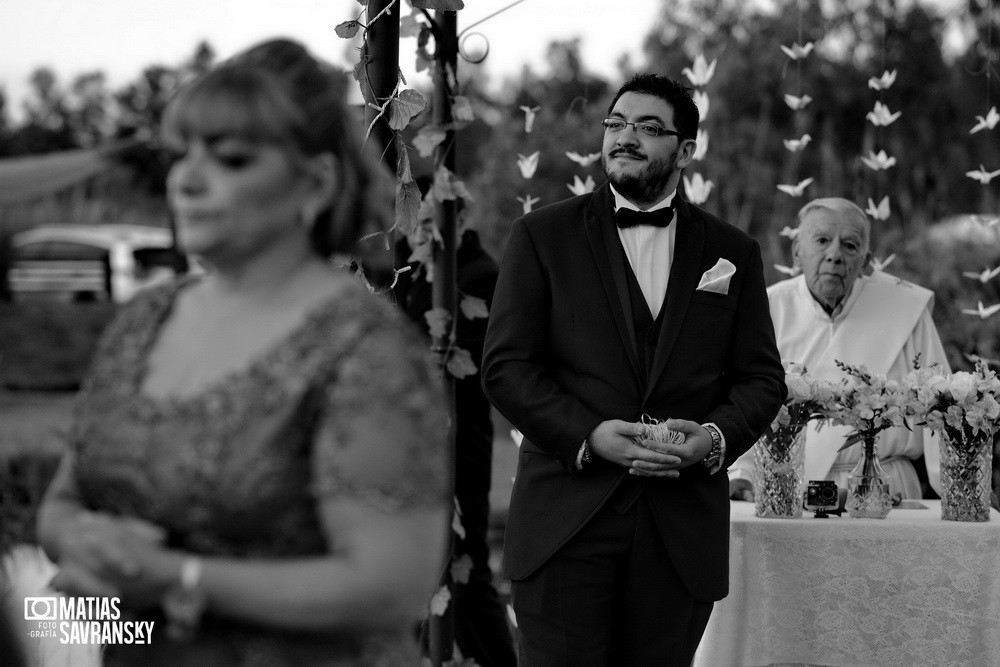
{"points": [[823, 498]]}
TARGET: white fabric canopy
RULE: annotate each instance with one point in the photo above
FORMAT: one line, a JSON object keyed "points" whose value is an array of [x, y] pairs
{"points": [[27, 177]]}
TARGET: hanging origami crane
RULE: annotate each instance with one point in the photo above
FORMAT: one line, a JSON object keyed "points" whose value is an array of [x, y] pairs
{"points": [[983, 276], [528, 164], [982, 312], [796, 103], [883, 82], [795, 145], [982, 175], [529, 117], [579, 187], [527, 201], [986, 123], [797, 51], [697, 188], [880, 211], [583, 160], [702, 72], [880, 116], [878, 161], [797, 189]]}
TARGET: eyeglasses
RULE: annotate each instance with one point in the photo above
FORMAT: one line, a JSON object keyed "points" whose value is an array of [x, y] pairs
{"points": [[616, 125]]}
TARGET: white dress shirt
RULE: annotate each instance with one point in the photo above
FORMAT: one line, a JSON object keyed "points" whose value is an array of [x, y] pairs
{"points": [[650, 251]]}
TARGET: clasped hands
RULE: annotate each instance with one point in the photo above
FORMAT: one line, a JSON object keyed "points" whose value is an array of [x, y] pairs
{"points": [[110, 556], [613, 440]]}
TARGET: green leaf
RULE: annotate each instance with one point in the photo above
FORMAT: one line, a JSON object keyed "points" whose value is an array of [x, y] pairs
{"points": [[456, 523], [424, 61], [852, 438], [347, 29], [460, 363], [447, 186], [423, 254], [439, 5], [440, 601], [404, 107], [461, 567], [407, 205], [409, 26], [473, 307], [461, 109], [361, 71], [427, 139], [402, 159], [438, 321]]}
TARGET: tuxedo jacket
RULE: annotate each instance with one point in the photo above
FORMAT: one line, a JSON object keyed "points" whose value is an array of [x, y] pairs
{"points": [[560, 357]]}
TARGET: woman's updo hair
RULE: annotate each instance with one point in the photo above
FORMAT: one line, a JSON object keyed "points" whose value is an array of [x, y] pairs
{"points": [[278, 92]]}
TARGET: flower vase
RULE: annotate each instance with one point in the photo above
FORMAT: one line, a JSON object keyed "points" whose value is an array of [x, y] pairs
{"points": [[868, 486], [966, 477], [779, 463]]}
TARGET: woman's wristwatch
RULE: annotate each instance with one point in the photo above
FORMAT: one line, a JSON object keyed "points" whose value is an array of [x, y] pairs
{"points": [[185, 602]]}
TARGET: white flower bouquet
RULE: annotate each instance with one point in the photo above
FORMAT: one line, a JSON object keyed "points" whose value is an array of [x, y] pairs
{"points": [[779, 455], [962, 407], [808, 399], [871, 403], [964, 410]]}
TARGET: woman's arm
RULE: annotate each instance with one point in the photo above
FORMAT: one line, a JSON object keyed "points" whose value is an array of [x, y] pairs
{"points": [[380, 575], [93, 550]]}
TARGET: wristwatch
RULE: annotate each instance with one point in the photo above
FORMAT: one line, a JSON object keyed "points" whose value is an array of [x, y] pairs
{"points": [[583, 455], [715, 453]]}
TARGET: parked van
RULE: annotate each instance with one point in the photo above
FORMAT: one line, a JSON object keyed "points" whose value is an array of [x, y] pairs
{"points": [[98, 262]]}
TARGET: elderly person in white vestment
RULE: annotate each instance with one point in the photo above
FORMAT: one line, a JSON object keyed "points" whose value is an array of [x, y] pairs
{"points": [[836, 310]]}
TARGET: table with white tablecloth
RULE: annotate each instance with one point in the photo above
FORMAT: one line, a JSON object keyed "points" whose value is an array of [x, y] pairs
{"points": [[909, 590]]}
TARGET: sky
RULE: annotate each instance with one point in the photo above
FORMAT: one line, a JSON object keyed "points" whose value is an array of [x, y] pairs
{"points": [[122, 37]]}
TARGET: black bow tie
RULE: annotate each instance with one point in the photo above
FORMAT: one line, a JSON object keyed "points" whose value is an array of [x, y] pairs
{"points": [[626, 217]]}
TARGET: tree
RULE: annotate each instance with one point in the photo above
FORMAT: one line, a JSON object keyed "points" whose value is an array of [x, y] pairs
{"points": [[4, 124], [567, 106], [46, 127], [854, 41], [88, 112]]}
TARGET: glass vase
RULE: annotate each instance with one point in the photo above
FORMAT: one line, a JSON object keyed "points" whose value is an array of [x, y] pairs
{"points": [[779, 462], [868, 486], [966, 476]]}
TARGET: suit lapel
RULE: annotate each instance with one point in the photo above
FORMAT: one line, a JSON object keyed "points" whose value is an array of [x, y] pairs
{"points": [[599, 223], [684, 276]]}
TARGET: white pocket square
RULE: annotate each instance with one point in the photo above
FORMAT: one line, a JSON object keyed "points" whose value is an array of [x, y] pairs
{"points": [[717, 278]]}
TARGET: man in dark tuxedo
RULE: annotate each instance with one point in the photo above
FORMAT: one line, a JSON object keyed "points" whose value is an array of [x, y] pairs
{"points": [[617, 545]]}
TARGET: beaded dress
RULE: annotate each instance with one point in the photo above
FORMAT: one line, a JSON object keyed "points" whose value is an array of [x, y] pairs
{"points": [[236, 470]]}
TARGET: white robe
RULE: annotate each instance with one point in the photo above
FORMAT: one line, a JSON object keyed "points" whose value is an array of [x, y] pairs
{"points": [[884, 323]]}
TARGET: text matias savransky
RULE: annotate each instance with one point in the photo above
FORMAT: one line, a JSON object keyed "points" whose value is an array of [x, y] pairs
{"points": [[84, 620]]}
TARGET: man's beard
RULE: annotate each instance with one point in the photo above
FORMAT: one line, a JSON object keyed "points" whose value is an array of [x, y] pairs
{"points": [[647, 185]]}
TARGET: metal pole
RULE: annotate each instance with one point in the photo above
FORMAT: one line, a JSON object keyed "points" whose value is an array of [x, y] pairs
{"points": [[444, 294], [382, 73]]}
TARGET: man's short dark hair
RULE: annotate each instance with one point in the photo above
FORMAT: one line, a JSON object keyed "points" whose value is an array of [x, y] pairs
{"points": [[676, 95]]}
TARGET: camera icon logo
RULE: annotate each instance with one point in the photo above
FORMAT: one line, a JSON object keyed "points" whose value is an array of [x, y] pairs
{"points": [[41, 608]]}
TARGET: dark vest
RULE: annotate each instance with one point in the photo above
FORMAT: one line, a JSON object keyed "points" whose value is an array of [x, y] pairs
{"points": [[647, 333]]}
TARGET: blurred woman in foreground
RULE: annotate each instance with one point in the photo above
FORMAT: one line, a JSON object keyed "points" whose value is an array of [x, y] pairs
{"points": [[257, 460]]}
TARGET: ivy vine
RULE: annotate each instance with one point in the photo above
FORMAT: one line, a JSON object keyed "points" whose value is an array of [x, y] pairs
{"points": [[399, 110]]}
